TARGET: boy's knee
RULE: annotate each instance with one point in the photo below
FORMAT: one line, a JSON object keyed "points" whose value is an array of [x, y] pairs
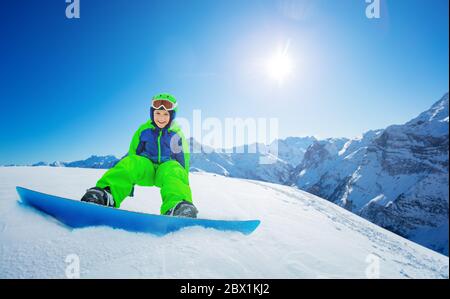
{"points": [[171, 170], [136, 162], [140, 169], [171, 165]]}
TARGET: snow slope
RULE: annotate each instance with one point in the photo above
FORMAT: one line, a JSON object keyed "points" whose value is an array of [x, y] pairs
{"points": [[301, 235]]}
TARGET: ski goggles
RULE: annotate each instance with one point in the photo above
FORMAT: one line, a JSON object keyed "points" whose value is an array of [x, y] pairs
{"points": [[165, 104]]}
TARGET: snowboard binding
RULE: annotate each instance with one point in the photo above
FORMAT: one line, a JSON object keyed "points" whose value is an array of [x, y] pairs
{"points": [[183, 209], [99, 196]]}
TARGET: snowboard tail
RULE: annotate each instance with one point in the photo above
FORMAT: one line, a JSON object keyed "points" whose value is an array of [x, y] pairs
{"points": [[78, 214]]}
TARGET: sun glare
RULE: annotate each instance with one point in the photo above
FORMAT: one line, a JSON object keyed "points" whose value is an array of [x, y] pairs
{"points": [[280, 66]]}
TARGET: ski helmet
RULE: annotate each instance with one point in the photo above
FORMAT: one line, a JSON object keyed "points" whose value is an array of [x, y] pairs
{"points": [[165, 96]]}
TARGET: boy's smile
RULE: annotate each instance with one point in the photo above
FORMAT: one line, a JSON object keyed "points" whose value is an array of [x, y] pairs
{"points": [[161, 118]]}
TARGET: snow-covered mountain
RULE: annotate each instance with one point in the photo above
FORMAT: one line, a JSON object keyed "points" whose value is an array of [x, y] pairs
{"points": [[300, 236], [270, 163], [291, 149], [397, 177], [100, 162]]}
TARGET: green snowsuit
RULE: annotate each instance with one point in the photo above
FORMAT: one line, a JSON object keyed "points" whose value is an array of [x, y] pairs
{"points": [[164, 172]]}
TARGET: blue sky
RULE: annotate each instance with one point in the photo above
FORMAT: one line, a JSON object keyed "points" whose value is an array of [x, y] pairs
{"points": [[75, 87]]}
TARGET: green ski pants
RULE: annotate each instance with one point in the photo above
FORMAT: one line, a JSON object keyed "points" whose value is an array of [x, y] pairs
{"points": [[170, 177]]}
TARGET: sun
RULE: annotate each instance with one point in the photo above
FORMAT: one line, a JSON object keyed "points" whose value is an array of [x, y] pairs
{"points": [[280, 66]]}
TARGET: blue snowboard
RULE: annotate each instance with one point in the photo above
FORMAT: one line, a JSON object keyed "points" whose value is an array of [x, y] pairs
{"points": [[77, 214]]}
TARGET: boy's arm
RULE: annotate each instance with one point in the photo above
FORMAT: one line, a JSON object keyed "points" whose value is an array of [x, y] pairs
{"points": [[186, 154], [134, 143], [183, 156]]}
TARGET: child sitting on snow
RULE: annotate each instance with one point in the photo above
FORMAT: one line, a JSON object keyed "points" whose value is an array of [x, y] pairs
{"points": [[158, 156]]}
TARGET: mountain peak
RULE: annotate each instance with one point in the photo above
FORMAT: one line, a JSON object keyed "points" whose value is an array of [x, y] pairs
{"points": [[438, 112]]}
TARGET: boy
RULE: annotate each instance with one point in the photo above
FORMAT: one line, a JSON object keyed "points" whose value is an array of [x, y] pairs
{"points": [[158, 156]]}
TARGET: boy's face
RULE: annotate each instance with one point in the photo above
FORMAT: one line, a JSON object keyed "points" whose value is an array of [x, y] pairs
{"points": [[161, 118]]}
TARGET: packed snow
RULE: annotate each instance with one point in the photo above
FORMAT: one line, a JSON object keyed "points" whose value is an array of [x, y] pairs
{"points": [[300, 236]]}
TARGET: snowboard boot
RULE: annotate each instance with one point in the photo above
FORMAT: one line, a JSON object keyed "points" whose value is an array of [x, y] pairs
{"points": [[183, 209], [99, 196]]}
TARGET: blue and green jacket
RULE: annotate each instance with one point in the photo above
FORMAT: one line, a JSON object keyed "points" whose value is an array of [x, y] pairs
{"points": [[161, 145]]}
